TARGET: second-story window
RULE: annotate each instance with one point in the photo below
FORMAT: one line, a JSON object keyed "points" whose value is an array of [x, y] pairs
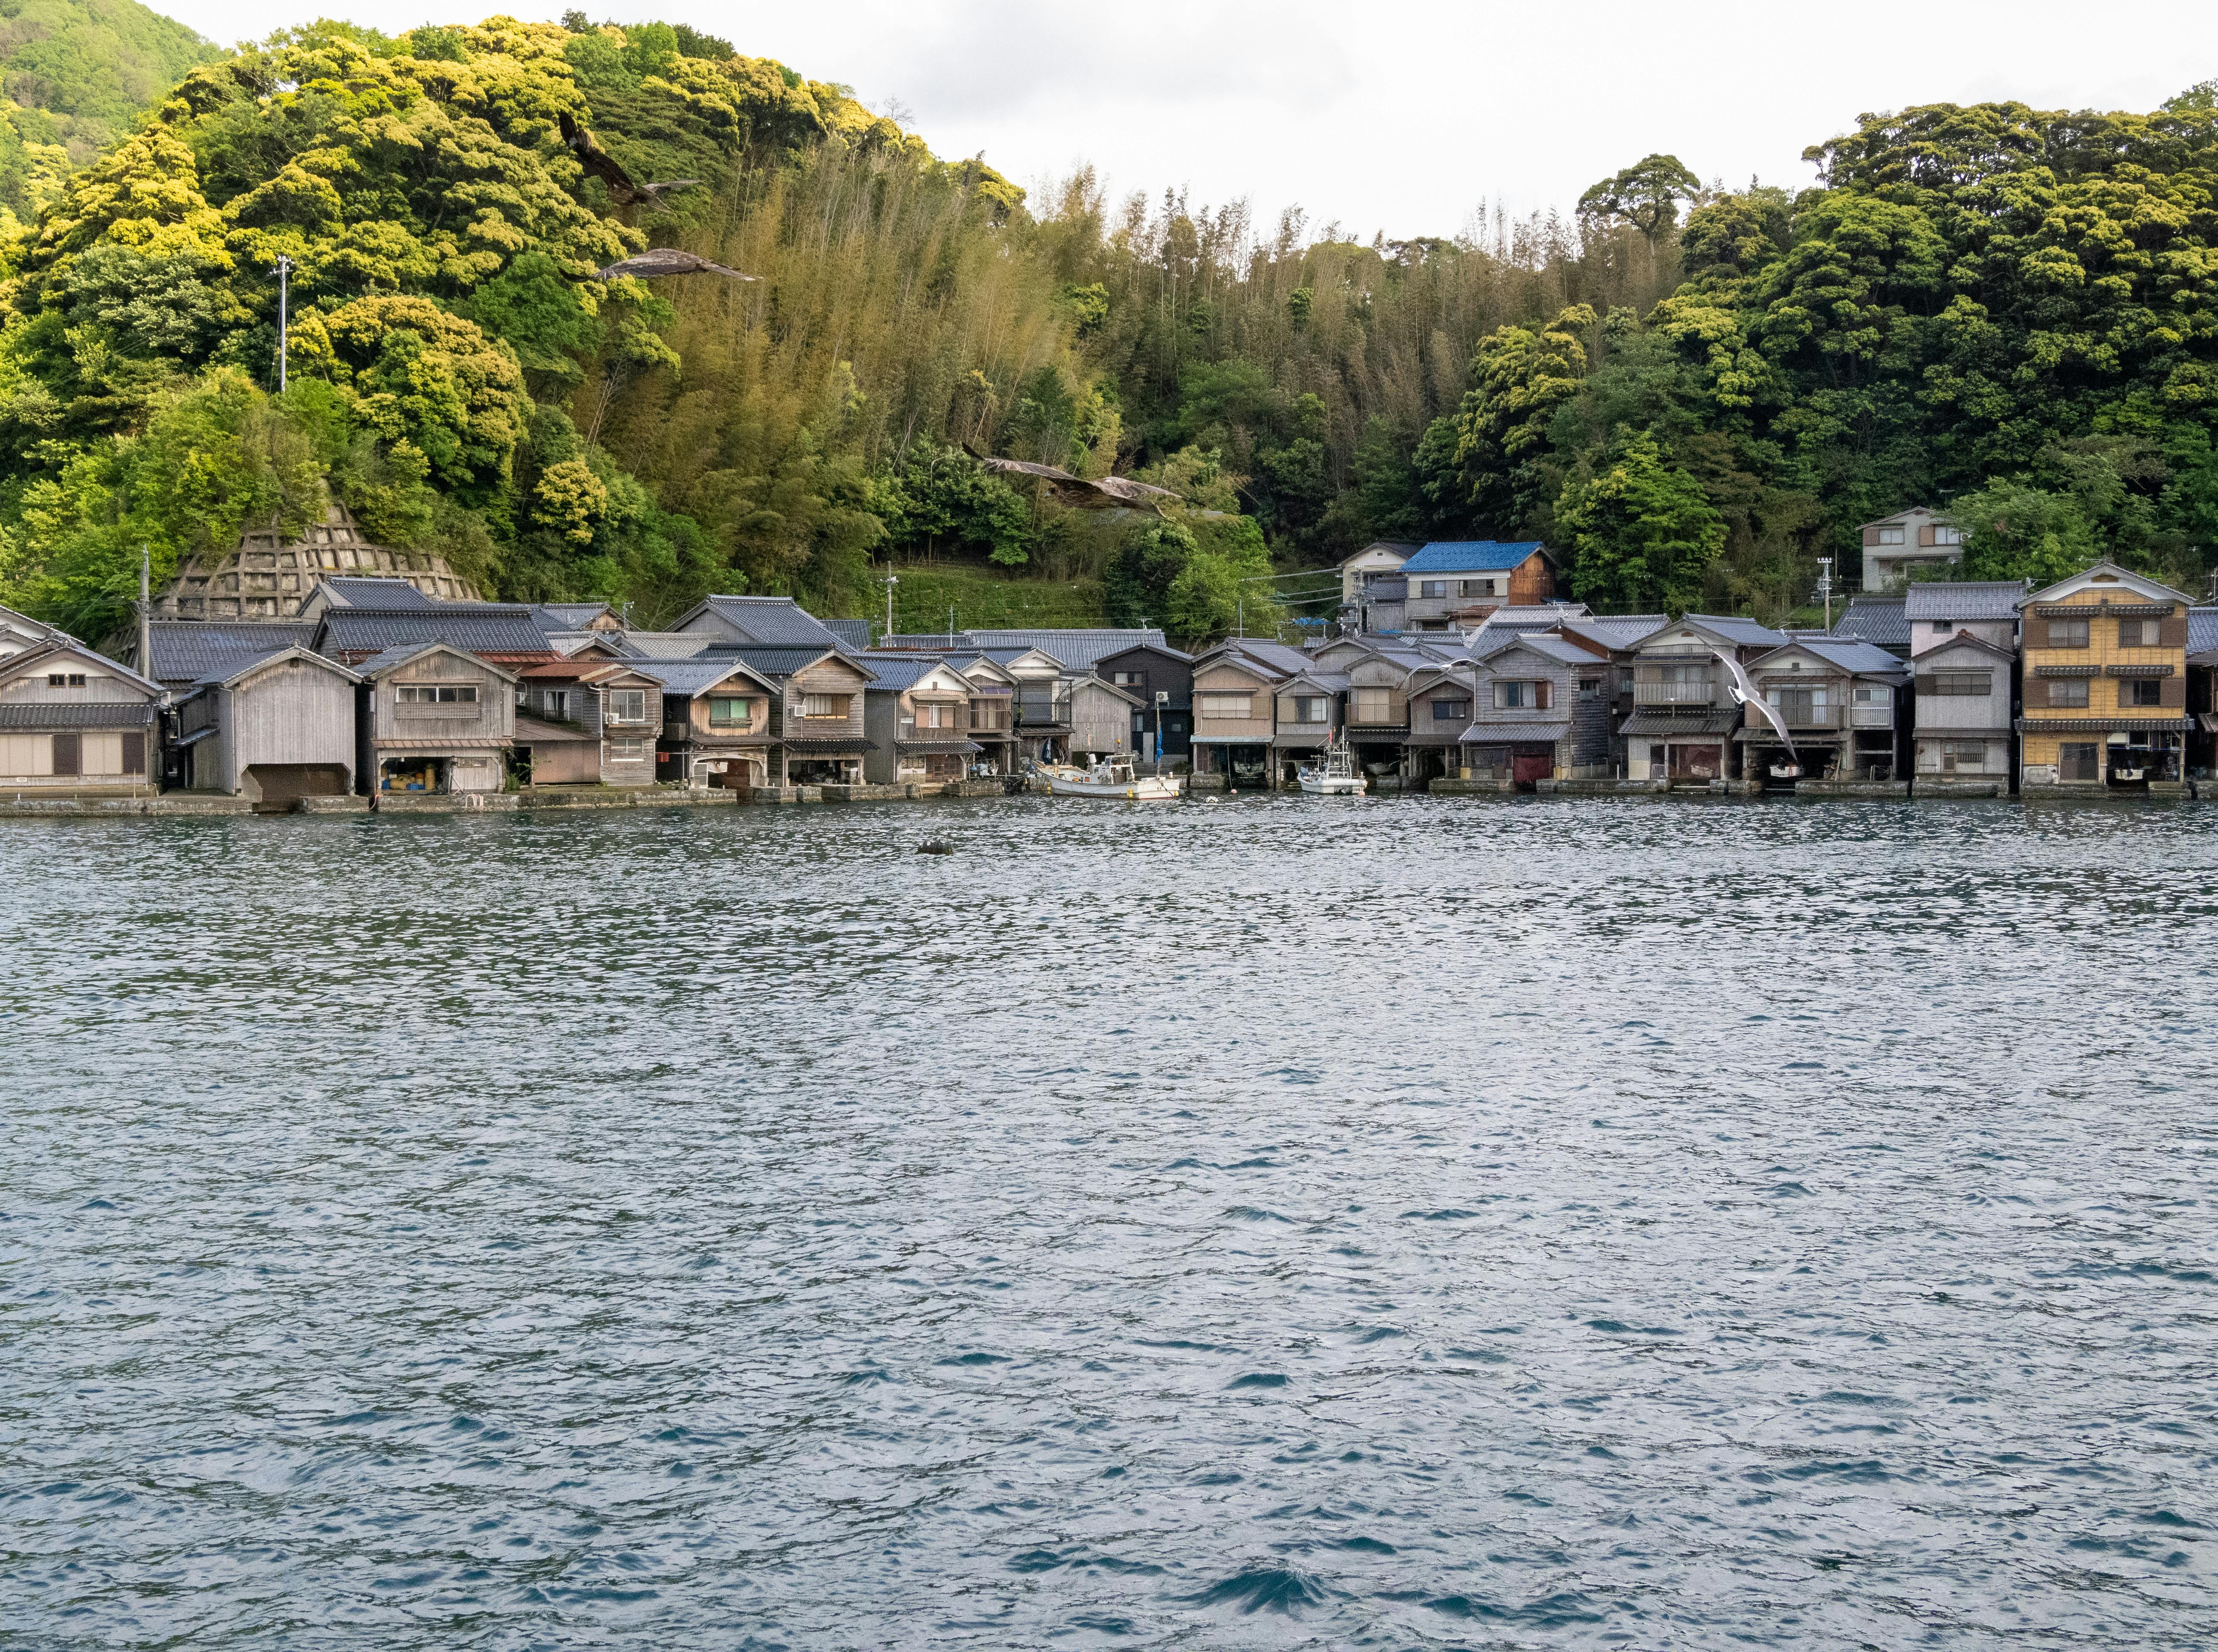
{"points": [[1980, 683], [1432, 588], [824, 705], [1518, 696], [2067, 633], [1451, 711], [2137, 634], [2144, 691], [1589, 688], [1947, 535], [628, 705], [1225, 706], [935, 716], [439, 694], [1798, 707], [1890, 535], [2068, 694], [1373, 705], [1130, 679], [1310, 708], [730, 712], [558, 703]]}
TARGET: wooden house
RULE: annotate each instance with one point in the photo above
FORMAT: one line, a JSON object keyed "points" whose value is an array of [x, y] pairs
{"points": [[917, 715], [360, 591], [1040, 708], [1844, 701], [274, 729], [1938, 611], [1443, 701], [433, 718], [817, 716], [75, 723], [1683, 713], [1307, 706], [1962, 739], [1541, 711], [1380, 557], [2104, 683], [500, 633], [1235, 709], [1609, 640], [1161, 678], [588, 720], [993, 711], [716, 717], [1105, 721], [2202, 699], [1455, 584]]}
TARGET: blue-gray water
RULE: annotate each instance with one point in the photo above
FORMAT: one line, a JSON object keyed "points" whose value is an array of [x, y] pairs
{"points": [[1418, 1223]]}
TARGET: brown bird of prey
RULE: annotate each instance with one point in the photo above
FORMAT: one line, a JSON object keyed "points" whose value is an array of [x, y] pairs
{"points": [[602, 165], [664, 261]]}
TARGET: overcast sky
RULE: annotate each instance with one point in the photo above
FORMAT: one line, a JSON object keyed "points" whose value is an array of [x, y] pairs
{"points": [[1402, 114]]}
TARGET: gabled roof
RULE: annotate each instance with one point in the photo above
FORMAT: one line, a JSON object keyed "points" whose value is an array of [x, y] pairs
{"points": [[1915, 513], [589, 669], [556, 617], [781, 662], [1877, 620], [1392, 547], [231, 677], [2109, 572], [1009, 657], [2201, 630], [1096, 686], [496, 630], [1540, 642], [900, 671], [365, 590], [665, 645], [1076, 649], [1616, 631], [1963, 641], [392, 659], [764, 622], [854, 635], [1857, 658], [1275, 657], [1161, 650], [1955, 599], [1332, 682], [1473, 555], [693, 678], [38, 657], [1723, 628], [188, 650], [1532, 614]]}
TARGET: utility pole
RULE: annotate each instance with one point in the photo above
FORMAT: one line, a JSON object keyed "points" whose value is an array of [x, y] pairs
{"points": [[284, 271], [145, 611], [950, 624], [1825, 588], [890, 582]]}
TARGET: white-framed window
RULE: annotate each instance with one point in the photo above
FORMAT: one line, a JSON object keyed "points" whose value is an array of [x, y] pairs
{"points": [[1890, 535], [1875, 695], [1225, 706], [1947, 535], [824, 705], [627, 705], [439, 694]]}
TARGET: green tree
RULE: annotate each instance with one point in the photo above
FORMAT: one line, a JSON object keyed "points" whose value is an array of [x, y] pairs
{"points": [[1646, 195], [1642, 530]]}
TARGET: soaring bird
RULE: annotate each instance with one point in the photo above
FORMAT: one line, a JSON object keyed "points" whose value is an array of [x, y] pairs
{"points": [[602, 165], [664, 261]]}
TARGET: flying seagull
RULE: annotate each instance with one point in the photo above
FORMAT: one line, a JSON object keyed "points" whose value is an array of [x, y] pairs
{"points": [[602, 165], [664, 261], [1744, 692]]}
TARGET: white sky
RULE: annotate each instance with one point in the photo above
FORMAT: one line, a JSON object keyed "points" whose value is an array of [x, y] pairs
{"points": [[1400, 114]]}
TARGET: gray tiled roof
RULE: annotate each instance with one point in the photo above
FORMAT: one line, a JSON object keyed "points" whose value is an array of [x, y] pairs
{"points": [[1549, 648], [472, 627], [360, 591], [1747, 633], [77, 714], [1678, 726], [693, 676], [773, 622], [557, 616], [2201, 630], [781, 662], [1854, 654], [854, 635], [665, 645], [1964, 598], [1507, 734], [1276, 656], [1879, 620], [1078, 650], [189, 650], [1618, 630], [898, 670], [927, 640]]}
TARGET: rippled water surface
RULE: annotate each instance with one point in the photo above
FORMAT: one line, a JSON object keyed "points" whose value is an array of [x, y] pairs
{"points": [[1409, 1223]]}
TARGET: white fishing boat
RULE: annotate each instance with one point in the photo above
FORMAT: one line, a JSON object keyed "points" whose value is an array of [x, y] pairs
{"points": [[1336, 776], [1114, 778]]}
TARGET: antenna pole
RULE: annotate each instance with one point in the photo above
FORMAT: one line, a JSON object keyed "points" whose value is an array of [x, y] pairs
{"points": [[284, 271]]}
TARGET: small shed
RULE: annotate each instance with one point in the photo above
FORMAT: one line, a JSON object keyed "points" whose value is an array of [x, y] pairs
{"points": [[74, 721], [433, 718], [274, 730]]}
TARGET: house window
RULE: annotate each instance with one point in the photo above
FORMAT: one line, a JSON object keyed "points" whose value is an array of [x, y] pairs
{"points": [[1964, 757], [2068, 692], [1130, 679], [1521, 696], [628, 704], [439, 694], [1432, 588], [935, 716], [2067, 633], [1589, 688], [1374, 705], [2146, 691], [1943, 627], [1310, 708], [628, 751], [1451, 711], [558, 703], [1976, 683], [2137, 634], [2079, 762], [1798, 707], [65, 679], [1871, 696], [824, 705], [1479, 587], [1947, 535], [730, 712], [1890, 535], [1225, 706]]}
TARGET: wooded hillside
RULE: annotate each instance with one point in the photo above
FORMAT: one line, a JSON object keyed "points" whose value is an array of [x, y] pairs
{"points": [[1694, 392]]}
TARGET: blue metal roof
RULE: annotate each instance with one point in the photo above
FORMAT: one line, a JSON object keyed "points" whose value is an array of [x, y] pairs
{"points": [[1470, 557]]}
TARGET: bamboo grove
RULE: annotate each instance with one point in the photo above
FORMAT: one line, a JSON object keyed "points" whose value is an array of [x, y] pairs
{"points": [[1693, 391]]}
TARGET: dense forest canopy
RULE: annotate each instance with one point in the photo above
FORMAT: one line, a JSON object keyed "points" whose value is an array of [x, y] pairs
{"points": [[1693, 391]]}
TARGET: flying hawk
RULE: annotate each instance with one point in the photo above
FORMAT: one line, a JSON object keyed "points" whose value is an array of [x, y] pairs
{"points": [[602, 165], [664, 261]]}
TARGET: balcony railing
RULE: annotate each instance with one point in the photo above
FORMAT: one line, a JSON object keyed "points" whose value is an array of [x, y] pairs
{"points": [[1674, 694], [1042, 708]]}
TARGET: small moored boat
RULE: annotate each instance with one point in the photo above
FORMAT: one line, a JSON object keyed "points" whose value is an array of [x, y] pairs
{"points": [[1336, 776], [1115, 780]]}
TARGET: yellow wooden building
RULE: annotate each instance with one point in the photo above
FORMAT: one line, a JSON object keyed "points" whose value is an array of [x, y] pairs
{"points": [[2104, 700]]}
